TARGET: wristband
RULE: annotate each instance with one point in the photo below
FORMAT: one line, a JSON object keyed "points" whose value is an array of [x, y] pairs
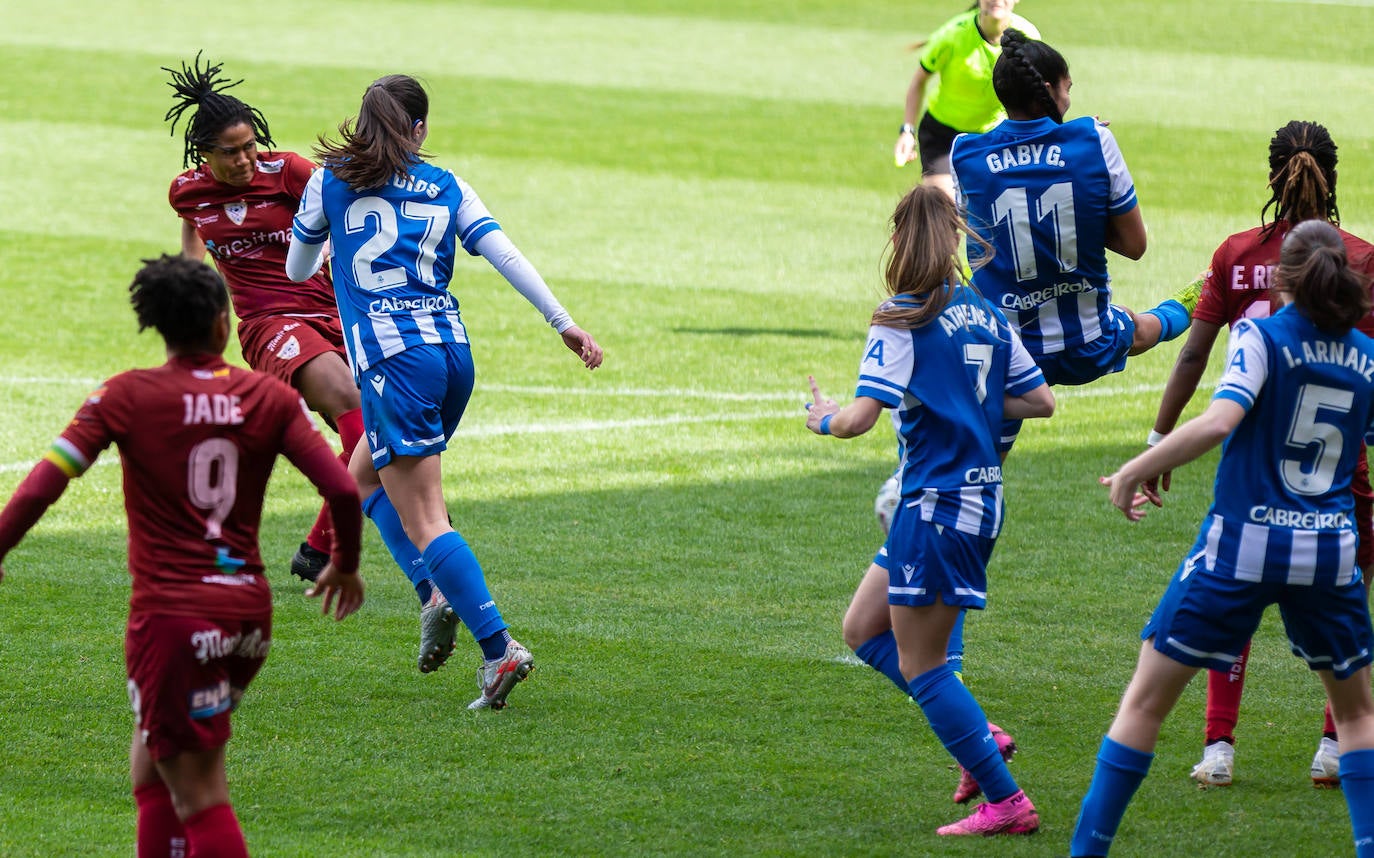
{"points": [[825, 424], [1155, 437], [907, 128]]}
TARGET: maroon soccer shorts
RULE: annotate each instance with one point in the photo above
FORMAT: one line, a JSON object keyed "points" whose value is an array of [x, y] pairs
{"points": [[185, 676], [281, 345]]}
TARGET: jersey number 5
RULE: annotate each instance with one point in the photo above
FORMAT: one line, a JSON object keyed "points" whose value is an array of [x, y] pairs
{"points": [[1306, 430]]}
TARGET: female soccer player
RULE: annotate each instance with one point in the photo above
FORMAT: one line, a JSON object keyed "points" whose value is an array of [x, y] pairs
{"points": [[1302, 182], [948, 361], [395, 222], [1292, 405], [1052, 197], [960, 54], [237, 203], [197, 440]]}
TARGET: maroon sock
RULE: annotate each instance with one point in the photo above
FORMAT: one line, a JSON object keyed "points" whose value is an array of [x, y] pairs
{"points": [[215, 833], [159, 833], [350, 425], [1223, 699]]}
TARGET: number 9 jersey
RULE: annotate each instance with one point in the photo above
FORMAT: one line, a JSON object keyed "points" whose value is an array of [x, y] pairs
{"points": [[393, 254], [1041, 194]]}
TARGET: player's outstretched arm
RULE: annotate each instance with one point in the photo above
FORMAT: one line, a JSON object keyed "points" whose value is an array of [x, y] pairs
{"points": [[1179, 389], [1192, 439], [825, 417], [39, 490]]}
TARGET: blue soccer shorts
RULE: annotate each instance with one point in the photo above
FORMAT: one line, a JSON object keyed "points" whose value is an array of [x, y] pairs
{"points": [[927, 561], [413, 401], [1205, 619]]}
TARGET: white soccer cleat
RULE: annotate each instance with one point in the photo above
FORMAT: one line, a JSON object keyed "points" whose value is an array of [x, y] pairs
{"points": [[1217, 766], [885, 505], [498, 676], [1326, 765]]}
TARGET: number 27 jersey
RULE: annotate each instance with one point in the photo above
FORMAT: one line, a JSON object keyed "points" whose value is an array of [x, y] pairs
{"points": [[394, 249]]}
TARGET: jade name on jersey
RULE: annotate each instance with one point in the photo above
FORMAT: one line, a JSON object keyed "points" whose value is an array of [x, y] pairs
{"points": [[946, 381], [394, 250]]}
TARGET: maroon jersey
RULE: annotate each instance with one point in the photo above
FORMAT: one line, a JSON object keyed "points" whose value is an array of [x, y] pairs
{"points": [[247, 231], [197, 440], [1237, 283]]}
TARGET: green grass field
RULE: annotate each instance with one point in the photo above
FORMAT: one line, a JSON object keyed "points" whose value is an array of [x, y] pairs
{"points": [[706, 186]]}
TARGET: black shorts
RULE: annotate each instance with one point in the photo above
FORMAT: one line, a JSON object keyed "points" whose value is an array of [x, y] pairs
{"points": [[934, 139]]}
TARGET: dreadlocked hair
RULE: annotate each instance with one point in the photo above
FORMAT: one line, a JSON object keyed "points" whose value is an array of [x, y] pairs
{"points": [[1023, 72], [1302, 176], [180, 297], [204, 89], [923, 258], [1313, 268], [381, 145]]}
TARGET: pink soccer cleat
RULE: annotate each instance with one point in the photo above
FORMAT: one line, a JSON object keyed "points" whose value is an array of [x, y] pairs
{"points": [[968, 788], [1014, 815]]}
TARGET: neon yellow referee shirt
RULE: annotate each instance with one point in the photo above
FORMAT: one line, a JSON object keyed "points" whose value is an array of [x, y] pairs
{"points": [[962, 97]]}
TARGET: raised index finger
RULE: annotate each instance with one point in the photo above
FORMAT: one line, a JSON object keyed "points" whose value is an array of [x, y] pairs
{"points": [[815, 389]]}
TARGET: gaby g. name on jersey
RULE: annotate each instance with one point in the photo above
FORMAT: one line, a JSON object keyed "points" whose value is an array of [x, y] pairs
{"points": [[1024, 156]]}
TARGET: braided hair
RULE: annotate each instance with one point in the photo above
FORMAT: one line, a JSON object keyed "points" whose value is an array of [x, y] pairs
{"points": [[1023, 74], [1313, 268], [1302, 176], [381, 145], [180, 297], [204, 89]]}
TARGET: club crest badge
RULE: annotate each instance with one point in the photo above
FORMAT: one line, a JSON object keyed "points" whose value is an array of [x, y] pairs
{"points": [[236, 211], [290, 350]]}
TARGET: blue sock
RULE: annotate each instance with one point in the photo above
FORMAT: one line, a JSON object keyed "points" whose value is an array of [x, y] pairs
{"points": [[962, 728], [880, 653], [954, 653], [378, 507], [458, 575], [1357, 782], [1173, 319], [1118, 774]]}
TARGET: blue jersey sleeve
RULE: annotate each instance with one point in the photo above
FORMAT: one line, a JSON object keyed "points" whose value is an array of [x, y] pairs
{"points": [[1247, 366], [887, 366]]}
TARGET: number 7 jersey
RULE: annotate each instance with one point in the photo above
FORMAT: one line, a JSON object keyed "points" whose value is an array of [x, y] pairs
{"points": [[1041, 194], [393, 254]]}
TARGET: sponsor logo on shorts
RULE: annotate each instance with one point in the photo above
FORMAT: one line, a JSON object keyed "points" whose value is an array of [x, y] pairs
{"points": [[209, 702], [285, 330], [378, 382], [212, 643]]}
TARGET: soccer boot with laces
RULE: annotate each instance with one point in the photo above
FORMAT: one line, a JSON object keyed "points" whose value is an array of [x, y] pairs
{"points": [[1326, 765], [496, 677], [438, 630], [1217, 766], [1014, 815]]}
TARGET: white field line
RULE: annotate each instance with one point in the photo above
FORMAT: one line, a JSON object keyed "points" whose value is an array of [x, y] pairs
{"points": [[567, 427]]}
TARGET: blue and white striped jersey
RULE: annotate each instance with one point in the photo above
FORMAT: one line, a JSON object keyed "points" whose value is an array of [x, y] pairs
{"points": [[946, 381], [393, 256], [1040, 193], [1282, 510]]}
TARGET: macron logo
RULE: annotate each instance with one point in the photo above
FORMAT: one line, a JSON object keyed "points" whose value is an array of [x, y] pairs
{"points": [[378, 382], [907, 571]]}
